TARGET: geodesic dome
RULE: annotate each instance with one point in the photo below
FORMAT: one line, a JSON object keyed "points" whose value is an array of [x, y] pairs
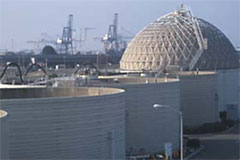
{"points": [[179, 41]]}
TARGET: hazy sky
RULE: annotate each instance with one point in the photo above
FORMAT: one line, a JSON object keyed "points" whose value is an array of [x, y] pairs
{"points": [[23, 20]]}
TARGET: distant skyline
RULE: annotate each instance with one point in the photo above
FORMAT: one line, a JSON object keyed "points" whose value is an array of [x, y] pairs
{"points": [[24, 20]]}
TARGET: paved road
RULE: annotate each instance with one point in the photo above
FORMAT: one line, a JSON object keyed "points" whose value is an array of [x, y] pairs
{"points": [[225, 145]]}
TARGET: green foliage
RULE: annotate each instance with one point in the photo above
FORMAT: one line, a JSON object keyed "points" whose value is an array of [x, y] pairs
{"points": [[209, 127], [223, 115], [193, 143]]}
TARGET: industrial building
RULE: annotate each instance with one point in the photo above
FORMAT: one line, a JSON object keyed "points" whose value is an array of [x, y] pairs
{"points": [[65, 123], [178, 41], [199, 70]]}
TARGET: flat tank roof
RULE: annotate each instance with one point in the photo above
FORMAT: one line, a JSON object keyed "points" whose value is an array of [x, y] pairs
{"points": [[22, 93]]}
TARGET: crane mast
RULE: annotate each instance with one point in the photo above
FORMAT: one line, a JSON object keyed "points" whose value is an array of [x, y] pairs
{"points": [[67, 40], [112, 41]]}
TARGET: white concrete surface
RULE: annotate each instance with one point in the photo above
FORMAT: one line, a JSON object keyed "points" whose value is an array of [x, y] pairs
{"points": [[228, 91], [3, 135], [199, 99], [147, 128], [70, 123]]}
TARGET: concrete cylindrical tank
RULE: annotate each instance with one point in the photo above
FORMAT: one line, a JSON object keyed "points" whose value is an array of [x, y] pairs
{"points": [[65, 123], [3, 135], [147, 128]]}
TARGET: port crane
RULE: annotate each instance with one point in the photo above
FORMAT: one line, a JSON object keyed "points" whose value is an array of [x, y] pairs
{"points": [[112, 42], [66, 41]]}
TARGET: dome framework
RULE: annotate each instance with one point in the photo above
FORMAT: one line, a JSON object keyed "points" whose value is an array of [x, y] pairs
{"points": [[179, 41]]}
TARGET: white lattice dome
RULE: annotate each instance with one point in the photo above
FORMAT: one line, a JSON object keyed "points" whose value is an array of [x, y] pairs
{"points": [[179, 41]]}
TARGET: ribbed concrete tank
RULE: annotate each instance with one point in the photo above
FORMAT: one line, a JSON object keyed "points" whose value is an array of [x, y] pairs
{"points": [[148, 128], [70, 123], [199, 97], [3, 135]]}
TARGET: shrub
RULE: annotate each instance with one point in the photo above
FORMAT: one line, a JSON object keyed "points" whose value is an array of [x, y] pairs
{"points": [[223, 115], [193, 143], [229, 123], [209, 127]]}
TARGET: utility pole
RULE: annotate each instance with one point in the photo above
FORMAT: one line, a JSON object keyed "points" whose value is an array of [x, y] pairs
{"points": [[46, 68]]}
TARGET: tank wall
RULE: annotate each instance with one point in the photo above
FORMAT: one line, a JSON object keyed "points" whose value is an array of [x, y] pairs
{"points": [[148, 128], [199, 99], [228, 91], [3, 135], [67, 128]]}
